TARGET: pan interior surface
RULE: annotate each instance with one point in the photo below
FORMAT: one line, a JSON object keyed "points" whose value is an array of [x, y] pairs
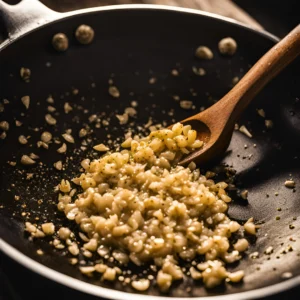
{"points": [[132, 47]]}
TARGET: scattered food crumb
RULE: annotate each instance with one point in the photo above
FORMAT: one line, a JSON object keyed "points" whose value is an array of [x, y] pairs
{"points": [[67, 107], [250, 227], [25, 74], [62, 149], [152, 80], [60, 42], [186, 104], [68, 138], [42, 144], [26, 101], [50, 120], [33, 156], [4, 125], [75, 91], [254, 255], [101, 148], [114, 92], [50, 99], [141, 285], [39, 252], [287, 275], [174, 72], [48, 228], [84, 34], [82, 132], [244, 194], [204, 52], [290, 183], [227, 46], [58, 165], [46, 137], [235, 80], [22, 140], [269, 250], [198, 71], [269, 124], [261, 112], [244, 130], [26, 160], [123, 119]]}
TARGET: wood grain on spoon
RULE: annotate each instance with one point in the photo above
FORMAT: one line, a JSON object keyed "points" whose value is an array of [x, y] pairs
{"points": [[215, 124]]}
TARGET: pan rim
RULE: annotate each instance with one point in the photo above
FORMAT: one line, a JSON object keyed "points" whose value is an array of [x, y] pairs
{"points": [[95, 290], [99, 291], [67, 15]]}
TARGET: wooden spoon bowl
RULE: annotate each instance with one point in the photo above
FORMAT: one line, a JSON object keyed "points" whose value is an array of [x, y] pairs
{"points": [[215, 125]]}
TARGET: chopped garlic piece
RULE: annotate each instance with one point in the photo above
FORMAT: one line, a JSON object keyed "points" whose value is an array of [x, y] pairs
{"points": [[244, 130], [101, 148]]}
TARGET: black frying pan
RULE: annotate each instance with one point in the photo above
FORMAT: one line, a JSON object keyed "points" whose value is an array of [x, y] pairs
{"points": [[133, 44]]}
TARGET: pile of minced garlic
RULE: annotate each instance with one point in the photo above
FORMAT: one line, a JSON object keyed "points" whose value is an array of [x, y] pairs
{"points": [[138, 205]]}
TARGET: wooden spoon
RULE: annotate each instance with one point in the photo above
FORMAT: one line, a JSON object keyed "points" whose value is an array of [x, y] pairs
{"points": [[215, 125]]}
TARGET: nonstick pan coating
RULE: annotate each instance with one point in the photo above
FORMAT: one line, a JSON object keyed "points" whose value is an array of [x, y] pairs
{"points": [[131, 46]]}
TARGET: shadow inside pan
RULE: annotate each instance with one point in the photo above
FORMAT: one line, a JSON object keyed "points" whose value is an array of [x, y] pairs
{"points": [[131, 47]]}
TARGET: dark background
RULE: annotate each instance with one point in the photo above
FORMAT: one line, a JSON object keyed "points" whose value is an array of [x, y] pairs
{"points": [[17, 283]]}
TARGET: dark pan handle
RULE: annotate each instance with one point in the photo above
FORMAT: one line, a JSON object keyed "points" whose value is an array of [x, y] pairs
{"points": [[25, 16]]}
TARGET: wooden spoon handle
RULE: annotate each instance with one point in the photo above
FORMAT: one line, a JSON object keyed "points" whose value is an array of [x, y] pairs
{"points": [[276, 59]]}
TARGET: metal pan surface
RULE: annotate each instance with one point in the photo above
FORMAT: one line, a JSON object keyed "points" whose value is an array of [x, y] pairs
{"points": [[134, 43]]}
